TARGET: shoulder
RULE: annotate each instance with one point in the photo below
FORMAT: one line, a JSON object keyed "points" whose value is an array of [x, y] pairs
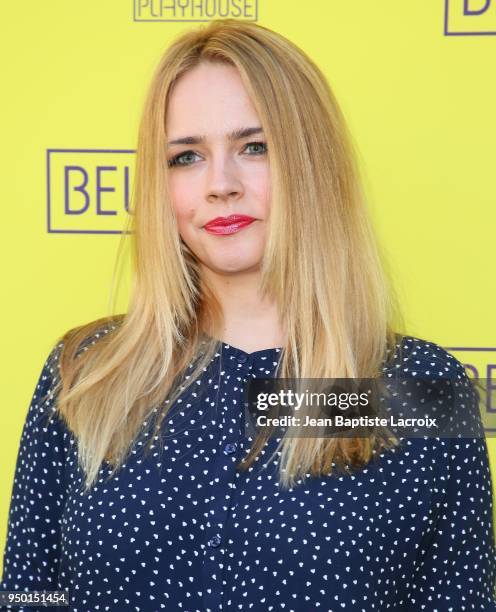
{"points": [[71, 345], [94, 331], [426, 377], [77, 340], [416, 356]]}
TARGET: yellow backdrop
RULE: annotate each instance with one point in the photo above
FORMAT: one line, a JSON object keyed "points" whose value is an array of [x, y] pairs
{"points": [[415, 81]]}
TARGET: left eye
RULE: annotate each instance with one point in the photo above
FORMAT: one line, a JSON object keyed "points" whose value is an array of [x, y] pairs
{"points": [[186, 158], [261, 146]]}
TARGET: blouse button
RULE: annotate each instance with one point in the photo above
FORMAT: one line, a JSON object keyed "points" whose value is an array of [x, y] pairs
{"points": [[215, 541], [242, 358], [230, 448]]}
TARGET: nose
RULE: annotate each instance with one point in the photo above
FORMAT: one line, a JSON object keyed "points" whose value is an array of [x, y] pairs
{"points": [[223, 181]]}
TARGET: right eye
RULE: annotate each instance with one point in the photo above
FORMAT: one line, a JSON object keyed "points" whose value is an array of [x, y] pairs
{"points": [[183, 159]]}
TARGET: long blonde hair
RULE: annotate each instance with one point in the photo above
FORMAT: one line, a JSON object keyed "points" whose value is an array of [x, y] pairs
{"points": [[321, 266]]}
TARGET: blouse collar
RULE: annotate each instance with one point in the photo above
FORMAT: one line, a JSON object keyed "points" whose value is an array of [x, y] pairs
{"points": [[258, 363]]}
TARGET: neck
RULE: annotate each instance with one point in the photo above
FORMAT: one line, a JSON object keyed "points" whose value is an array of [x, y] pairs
{"points": [[251, 321]]}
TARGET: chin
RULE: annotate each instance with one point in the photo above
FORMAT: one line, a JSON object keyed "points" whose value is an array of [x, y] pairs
{"points": [[233, 256], [233, 266], [237, 268]]}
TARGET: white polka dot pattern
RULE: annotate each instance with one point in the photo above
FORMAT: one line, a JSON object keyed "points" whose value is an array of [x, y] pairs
{"points": [[184, 531]]}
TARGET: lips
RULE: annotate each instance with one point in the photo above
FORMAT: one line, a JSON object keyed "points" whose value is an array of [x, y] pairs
{"points": [[222, 226]]}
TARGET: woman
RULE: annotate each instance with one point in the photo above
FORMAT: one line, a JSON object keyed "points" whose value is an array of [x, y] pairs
{"points": [[253, 257]]}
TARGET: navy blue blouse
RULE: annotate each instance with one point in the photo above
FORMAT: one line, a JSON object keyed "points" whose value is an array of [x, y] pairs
{"points": [[185, 531]]}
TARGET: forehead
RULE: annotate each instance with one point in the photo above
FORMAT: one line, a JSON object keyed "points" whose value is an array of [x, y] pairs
{"points": [[209, 99]]}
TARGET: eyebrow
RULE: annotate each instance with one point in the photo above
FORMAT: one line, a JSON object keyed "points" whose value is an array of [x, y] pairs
{"points": [[234, 135]]}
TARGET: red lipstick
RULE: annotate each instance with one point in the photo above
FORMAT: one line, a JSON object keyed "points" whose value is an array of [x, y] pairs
{"points": [[222, 226]]}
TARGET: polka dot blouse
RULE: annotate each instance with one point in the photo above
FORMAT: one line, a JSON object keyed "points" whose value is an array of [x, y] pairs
{"points": [[183, 530]]}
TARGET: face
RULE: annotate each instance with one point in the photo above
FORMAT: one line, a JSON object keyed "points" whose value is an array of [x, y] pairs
{"points": [[218, 169]]}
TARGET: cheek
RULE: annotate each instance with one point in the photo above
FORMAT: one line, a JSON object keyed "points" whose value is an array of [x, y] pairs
{"points": [[261, 187], [182, 200]]}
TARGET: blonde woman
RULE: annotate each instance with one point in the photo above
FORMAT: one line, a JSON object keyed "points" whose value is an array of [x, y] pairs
{"points": [[253, 257]]}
